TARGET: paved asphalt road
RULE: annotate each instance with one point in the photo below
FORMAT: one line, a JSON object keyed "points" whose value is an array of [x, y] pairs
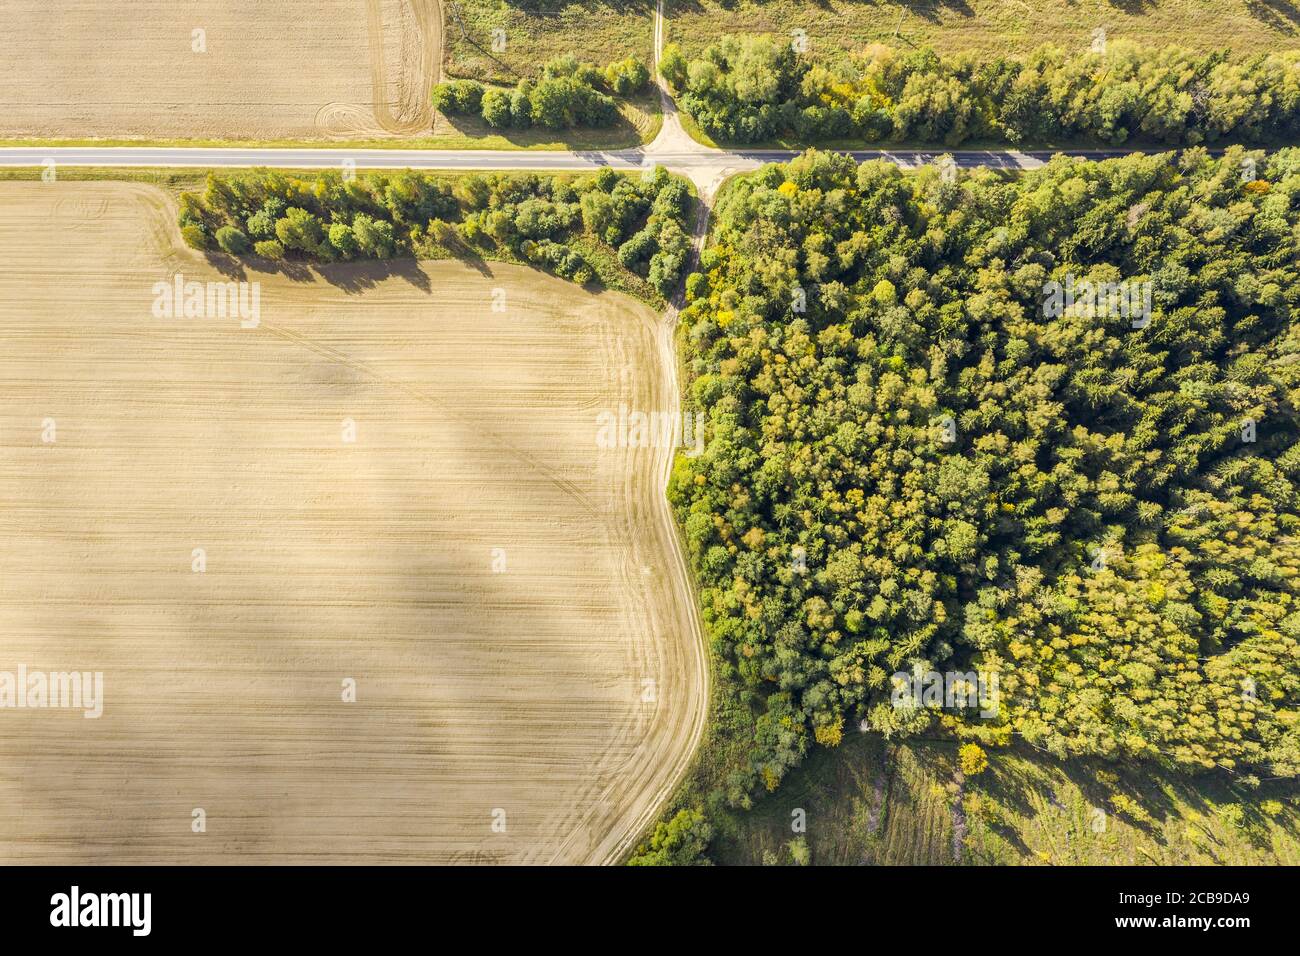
{"points": [[334, 157]]}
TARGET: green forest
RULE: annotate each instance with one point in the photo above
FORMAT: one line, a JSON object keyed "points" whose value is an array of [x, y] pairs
{"points": [[753, 89], [1042, 427], [917, 459], [622, 232]]}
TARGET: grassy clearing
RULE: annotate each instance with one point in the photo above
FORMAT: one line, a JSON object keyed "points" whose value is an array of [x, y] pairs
{"points": [[994, 26], [872, 803], [600, 31]]}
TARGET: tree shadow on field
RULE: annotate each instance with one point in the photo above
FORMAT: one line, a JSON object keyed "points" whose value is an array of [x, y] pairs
{"points": [[477, 263], [550, 7], [228, 266], [1132, 6], [454, 244], [357, 277], [934, 9], [1278, 14], [684, 6], [290, 269], [236, 269], [352, 277], [1141, 788], [929, 10]]}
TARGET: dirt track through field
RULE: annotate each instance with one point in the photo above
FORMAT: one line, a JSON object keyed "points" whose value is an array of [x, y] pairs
{"points": [[509, 598], [268, 69]]}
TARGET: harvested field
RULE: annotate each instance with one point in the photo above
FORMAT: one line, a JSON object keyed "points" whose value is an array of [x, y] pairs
{"points": [[509, 598], [269, 69]]}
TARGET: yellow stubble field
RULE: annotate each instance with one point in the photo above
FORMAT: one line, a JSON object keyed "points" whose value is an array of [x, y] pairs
{"points": [[386, 485], [222, 69]]}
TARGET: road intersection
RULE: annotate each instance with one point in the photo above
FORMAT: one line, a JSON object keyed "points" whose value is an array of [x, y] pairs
{"points": [[673, 148]]}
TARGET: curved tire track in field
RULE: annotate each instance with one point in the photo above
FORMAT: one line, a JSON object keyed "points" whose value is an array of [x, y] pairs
{"points": [[693, 715], [419, 66]]}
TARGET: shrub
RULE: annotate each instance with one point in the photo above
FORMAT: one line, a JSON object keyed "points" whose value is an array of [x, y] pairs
{"points": [[626, 77], [972, 759], [343, 240], [269, 249], [680, 841], [460, 97], [195, 236], [672, 66], [565, 97], [496, 108], [521, 106], [374, 236], [1232, 814], [299, 229], [232, 241]]}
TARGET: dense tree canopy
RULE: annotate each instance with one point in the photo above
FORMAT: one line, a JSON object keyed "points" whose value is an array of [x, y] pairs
{"points": [[754, 88], [545, 220], [568, 94], [913, 462], [679, 841]]}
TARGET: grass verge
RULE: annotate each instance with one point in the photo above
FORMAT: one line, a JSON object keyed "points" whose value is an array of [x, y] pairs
{"points": [[640, 122]]}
